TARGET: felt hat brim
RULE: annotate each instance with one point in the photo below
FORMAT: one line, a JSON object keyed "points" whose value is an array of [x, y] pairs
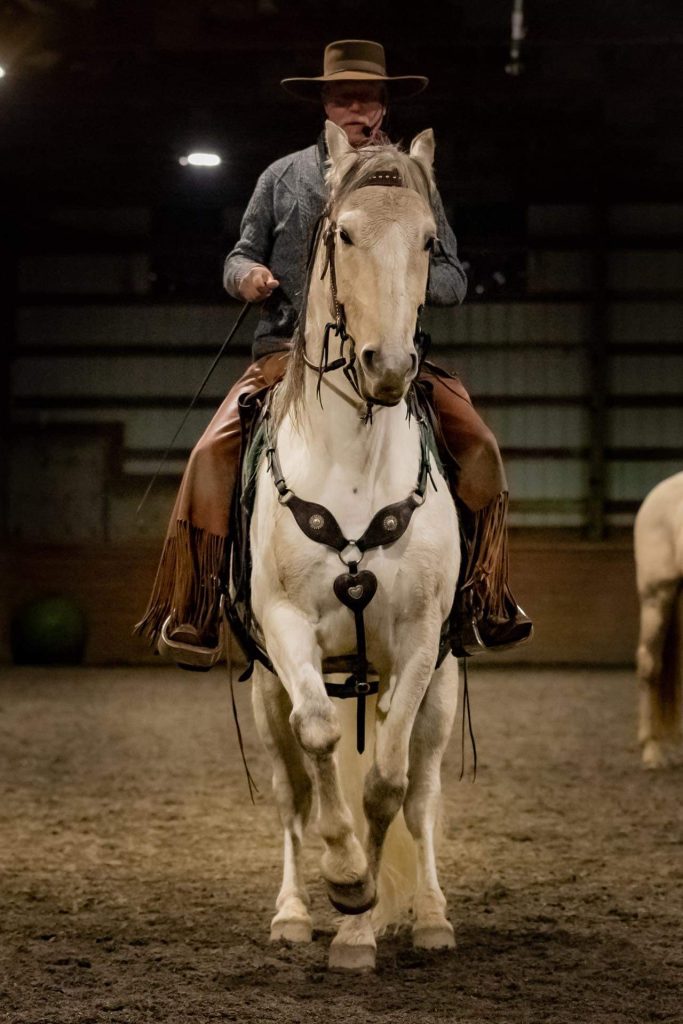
{"points": [[400, 87]]}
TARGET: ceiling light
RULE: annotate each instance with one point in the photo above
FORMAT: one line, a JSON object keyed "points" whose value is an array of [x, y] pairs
{"points": [[201, 160], [2, 71]]}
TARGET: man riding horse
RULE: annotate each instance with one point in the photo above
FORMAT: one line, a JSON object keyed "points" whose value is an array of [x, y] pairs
{"points": [[268, 265]]}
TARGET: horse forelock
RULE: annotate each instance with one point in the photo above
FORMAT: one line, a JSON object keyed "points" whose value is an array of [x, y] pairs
{"points": [[354, 169]]}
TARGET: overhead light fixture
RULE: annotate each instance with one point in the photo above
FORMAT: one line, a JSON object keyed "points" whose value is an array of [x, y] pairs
{"points": [[200, 160], [2, 71], [517, 34]]}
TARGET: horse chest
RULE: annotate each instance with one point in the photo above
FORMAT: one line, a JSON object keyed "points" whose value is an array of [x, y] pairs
{"points": [[351, 488], [409, 572]]}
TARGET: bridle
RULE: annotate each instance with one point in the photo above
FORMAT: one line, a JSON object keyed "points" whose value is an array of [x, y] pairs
{"points": [[346, 360]]}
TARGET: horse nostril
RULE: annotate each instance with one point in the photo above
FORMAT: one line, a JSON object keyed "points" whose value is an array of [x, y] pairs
{"points": [[368, 357], [413, 362]]}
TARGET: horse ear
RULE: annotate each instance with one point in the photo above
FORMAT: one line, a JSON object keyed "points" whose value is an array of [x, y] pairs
{"points": [[422, 148], [338, 144]]}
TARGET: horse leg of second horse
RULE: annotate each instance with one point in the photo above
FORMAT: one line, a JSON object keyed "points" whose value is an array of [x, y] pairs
{"points": [[292, 789], [295, 654], [656, 727], [431, 732]]}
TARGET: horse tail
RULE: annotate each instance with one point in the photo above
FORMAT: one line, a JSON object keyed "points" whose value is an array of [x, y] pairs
{"points": [[398, 867]]}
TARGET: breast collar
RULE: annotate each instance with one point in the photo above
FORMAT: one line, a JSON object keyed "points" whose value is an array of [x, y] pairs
{"points": [[356, 587]]}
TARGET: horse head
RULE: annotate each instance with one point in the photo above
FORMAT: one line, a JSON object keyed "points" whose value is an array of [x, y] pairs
{"points": [[380, 232]]}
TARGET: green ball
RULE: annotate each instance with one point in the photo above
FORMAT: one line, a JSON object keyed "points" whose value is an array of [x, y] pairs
{"points": [[49, 630]]}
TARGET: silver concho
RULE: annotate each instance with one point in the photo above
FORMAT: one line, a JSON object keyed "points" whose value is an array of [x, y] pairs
{"points": [[316, 521], [390, 523]]}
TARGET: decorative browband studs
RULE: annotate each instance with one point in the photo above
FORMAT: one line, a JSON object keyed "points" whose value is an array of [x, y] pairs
{"points": [[389, 177]]}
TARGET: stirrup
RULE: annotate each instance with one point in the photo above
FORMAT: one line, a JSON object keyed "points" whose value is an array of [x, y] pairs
{"points": [[193, 657], [469, 641]]}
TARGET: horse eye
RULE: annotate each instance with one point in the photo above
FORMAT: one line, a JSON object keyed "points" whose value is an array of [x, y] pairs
{"points": [[429, 244], [345, 237]]}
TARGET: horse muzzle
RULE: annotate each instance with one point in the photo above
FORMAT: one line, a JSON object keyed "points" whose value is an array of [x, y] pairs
{"points": [[386, 376]]}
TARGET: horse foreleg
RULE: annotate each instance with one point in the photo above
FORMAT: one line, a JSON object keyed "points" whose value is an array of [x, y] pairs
{"points": [[354, 947], [431, 732], [292, 790], [386, 783], [313, 719], [657, 725]]}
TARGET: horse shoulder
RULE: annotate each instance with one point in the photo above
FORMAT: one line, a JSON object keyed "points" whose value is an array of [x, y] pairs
{"points": [[658, 533], [426, 575], [282, 558]]}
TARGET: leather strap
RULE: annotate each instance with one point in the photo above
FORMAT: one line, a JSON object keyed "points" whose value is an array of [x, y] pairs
{"points": [[386, 526], [355, 589]]}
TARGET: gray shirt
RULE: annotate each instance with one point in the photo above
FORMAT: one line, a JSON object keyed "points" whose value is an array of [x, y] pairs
{"points": [[276, 232]]}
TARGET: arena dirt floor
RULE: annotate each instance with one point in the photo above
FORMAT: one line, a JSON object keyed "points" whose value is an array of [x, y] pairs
{"points": [[138, 881]]}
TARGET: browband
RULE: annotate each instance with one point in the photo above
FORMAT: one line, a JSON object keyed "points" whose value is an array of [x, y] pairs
{"points": [[392, 176]]}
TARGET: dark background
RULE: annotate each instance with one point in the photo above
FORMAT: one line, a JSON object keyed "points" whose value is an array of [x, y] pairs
{"points": [[101, 98]]}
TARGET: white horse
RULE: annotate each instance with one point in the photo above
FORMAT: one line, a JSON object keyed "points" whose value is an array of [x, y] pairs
{"points": [[658, 543], [369, 273]]}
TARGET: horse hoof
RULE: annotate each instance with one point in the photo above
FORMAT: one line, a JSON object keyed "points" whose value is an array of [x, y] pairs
{"points": [[655, 756], [291, 930], [434, 936], [352, 958], [353, 898]]}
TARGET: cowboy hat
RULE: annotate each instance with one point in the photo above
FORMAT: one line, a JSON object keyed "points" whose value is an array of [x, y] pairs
{"points": [[354, 60]]}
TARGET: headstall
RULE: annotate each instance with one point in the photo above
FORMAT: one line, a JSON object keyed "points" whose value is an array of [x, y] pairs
{"points": [[347, 362]]}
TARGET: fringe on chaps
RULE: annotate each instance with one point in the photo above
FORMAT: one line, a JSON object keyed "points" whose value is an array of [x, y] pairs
{"points": [[192, 572], [188, 584]]}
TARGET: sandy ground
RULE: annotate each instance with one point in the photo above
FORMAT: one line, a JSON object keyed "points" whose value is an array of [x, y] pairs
{"points": [[137, 880]]}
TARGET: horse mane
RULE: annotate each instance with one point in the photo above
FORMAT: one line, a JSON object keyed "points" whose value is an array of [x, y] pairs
{"points": [[350, 173]]}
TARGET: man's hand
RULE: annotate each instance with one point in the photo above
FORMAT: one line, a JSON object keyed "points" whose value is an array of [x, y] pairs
{"points": [[257, 284]]}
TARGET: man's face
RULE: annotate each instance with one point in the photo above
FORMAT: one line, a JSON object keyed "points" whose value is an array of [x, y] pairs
{"points": [[355, 106]]}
